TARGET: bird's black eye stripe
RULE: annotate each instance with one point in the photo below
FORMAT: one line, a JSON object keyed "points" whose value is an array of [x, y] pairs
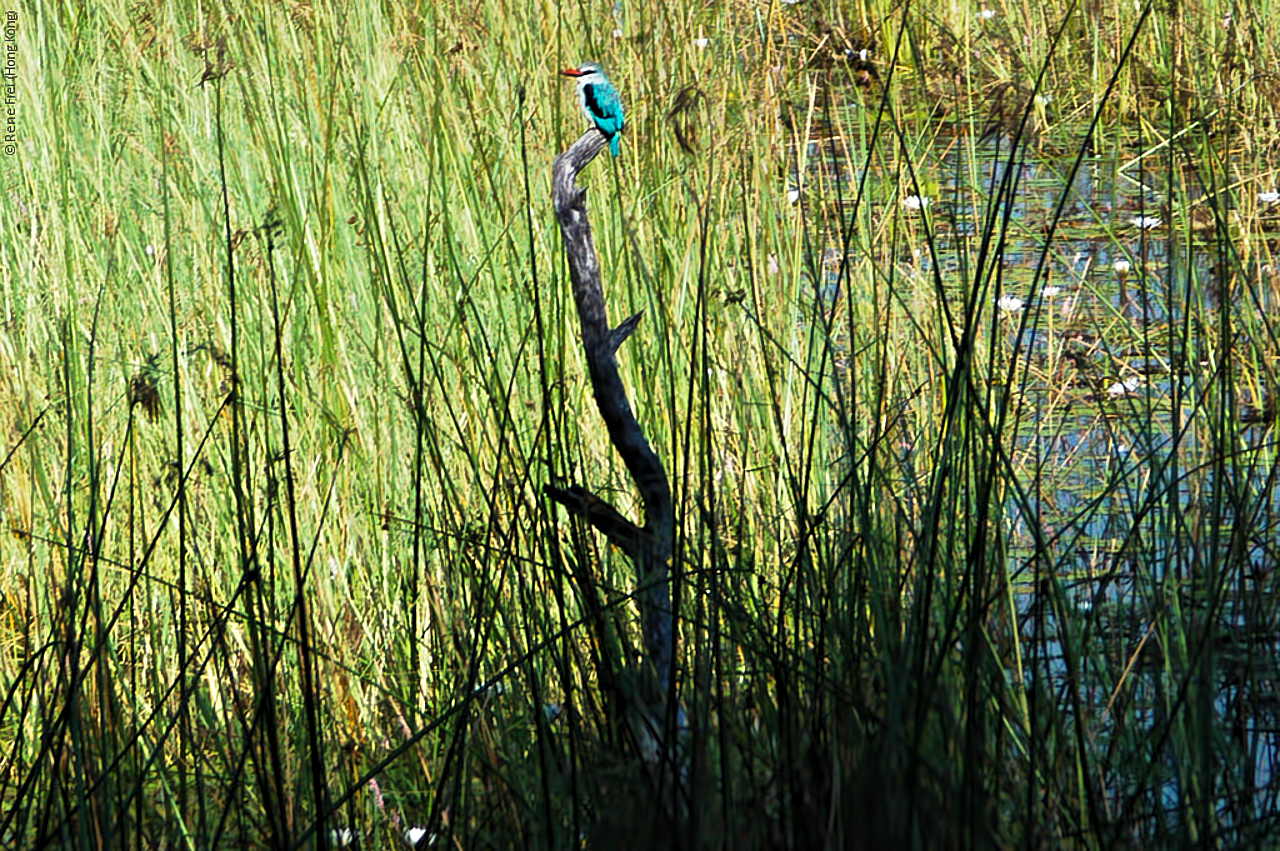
{"points": [[589, 94]]}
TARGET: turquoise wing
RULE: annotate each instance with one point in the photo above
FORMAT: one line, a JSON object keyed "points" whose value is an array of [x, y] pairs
{"points": [[605, 108]]}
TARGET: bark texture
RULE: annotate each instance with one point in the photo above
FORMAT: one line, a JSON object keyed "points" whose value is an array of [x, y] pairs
{"points": [[649, 546]]}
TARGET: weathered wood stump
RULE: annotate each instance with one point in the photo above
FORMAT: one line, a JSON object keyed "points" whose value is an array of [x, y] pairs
{"points": [[649, 546]]}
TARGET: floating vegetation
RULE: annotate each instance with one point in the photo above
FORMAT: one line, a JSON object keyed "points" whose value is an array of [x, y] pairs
{"points": [[957, 344]]}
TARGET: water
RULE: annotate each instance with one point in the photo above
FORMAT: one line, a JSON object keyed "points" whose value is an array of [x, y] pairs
{"points": [[1117, 443]]}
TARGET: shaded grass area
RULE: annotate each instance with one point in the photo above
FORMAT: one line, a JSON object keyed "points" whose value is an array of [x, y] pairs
{"points": [[288, 357]]}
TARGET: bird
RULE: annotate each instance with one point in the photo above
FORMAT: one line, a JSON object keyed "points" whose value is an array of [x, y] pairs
{"points": [[600, 102]]}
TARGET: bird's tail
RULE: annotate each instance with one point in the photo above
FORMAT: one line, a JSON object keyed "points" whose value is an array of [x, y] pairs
{"points": [[615, 143]]}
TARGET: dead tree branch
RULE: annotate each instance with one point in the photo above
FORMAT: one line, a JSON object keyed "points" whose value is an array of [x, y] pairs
{"points": [[648, 546]]}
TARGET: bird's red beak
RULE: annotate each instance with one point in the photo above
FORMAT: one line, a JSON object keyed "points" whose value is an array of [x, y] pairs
{"points": [[571, 72]]}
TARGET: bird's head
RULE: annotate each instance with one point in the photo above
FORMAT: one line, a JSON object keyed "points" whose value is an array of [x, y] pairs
{"points": [[586, 69]]}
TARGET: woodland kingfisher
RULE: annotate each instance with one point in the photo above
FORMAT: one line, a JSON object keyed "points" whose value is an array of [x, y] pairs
{"points": [[600, 101]]}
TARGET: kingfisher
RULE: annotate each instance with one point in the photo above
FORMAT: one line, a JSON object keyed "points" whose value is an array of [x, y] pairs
{"points": [[600, 101]]}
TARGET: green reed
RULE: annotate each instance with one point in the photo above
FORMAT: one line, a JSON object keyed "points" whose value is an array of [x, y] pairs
{"points": [[289, 357]]}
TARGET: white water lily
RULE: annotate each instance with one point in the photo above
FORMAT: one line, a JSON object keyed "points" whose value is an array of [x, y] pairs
{"points": [[1145, 222], [1121, 267], [915, 202], [1010, 303], [414, 835], [1051, 291], [701, 43], [1124, 388], [1264, 197], [343, 837]]}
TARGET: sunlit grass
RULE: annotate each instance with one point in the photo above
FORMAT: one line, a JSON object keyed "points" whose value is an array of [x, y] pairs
{"points": [[938, 582]]}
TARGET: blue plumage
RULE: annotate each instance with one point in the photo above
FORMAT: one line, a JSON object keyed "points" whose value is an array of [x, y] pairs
{"points": [[600, 102]]}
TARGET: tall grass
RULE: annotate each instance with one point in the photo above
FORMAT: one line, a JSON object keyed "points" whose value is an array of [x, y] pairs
{"points": [[289, 355]]}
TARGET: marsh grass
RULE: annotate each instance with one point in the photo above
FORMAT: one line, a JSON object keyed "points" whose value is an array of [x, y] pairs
{"points": [[289, 356]]}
